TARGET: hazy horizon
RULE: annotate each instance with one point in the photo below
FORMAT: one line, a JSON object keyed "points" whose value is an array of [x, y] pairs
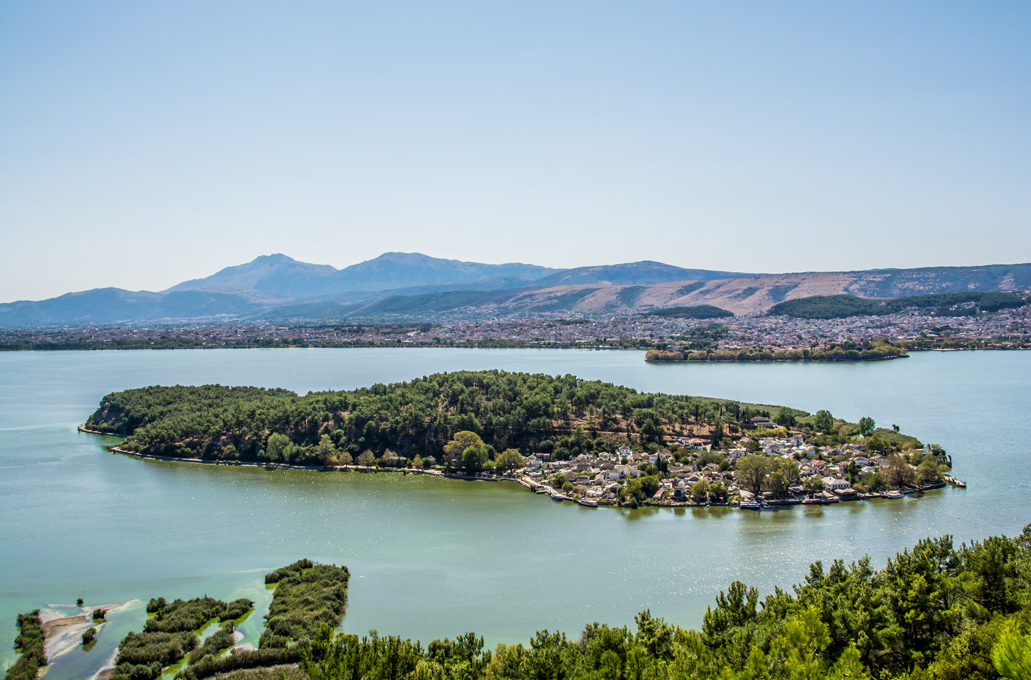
{"points": [[146, 145], [344, 266]]}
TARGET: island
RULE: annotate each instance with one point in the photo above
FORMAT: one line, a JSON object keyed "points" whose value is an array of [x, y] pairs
{"points": [[845, 351], [591, 442]]}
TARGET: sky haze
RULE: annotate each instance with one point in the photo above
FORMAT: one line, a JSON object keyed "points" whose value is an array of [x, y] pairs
{"points": [[143, 144]]}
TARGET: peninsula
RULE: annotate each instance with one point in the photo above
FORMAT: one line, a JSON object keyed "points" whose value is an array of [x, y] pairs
{"points": [[588, 441]]}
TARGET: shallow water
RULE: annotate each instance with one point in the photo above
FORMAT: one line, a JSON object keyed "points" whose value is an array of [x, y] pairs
{"points": [[433, 558]]}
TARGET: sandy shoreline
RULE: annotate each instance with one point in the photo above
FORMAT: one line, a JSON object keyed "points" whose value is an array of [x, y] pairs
{"points": [[62, 633]]}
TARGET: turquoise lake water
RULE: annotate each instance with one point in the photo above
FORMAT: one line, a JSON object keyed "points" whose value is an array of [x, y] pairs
{"points": [[432, 558]]}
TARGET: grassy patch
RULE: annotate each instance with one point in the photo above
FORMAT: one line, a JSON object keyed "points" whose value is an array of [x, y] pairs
{"points": [[896, 438]]}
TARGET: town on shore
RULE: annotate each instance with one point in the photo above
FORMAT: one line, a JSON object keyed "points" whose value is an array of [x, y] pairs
{"points": [[908, 330]]}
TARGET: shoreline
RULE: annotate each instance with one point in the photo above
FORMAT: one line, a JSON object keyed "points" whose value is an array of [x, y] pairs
{"points": [[523, 481], [8, 348], [783, 361], [63, 633]]}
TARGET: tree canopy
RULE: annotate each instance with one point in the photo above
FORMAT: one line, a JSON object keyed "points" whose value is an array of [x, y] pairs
{"points": [[440, 415]]}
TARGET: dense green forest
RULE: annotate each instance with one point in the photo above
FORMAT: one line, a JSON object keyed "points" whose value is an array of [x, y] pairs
{"points": [[171, 633], [695, 312], [410, 420], [846, 351], [939, 304], [307, 597], [30, 647], [934, 612]]}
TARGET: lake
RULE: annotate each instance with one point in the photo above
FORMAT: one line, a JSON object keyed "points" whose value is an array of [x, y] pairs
{"points": [[433, 557]]}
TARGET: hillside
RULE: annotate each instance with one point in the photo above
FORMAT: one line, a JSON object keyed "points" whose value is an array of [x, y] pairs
{"points": [[491, 293], [741, 295], [116, 306], [632, 274]]}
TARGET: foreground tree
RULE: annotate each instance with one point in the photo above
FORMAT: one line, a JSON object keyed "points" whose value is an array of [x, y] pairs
{"points": [[509, 459], [275, 448], [454, 449], [866, 426], [475, 459], [814, 485], [700, 491], [824, 421], [750, 473]]}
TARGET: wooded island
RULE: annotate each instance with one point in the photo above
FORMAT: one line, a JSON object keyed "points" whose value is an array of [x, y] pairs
{"points": [[588, 441]]}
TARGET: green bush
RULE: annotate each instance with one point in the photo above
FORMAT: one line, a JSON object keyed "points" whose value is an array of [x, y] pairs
{"points": [[30, 645]]}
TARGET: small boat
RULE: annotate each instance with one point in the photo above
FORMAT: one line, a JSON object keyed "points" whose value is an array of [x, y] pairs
{"points": [[588, 503], [812, 501], [765, 506], [749, 505], [558, 497], [829, 501], [894, 493]]}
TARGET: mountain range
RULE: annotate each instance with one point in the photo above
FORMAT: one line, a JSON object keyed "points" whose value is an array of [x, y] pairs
{"points": [[281, 274], [406, 285]]}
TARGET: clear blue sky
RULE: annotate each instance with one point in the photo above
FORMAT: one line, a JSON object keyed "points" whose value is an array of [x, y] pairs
{"points": [[144, 143]]}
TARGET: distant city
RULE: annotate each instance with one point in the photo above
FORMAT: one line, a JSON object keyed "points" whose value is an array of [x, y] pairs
{"points": [[1005, 329]]}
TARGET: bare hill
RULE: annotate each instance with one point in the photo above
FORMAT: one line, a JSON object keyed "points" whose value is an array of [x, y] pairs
{"points": [[740, 295]]}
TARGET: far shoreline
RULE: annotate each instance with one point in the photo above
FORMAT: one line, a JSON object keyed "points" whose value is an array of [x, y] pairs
{"points": [[564, 347]]}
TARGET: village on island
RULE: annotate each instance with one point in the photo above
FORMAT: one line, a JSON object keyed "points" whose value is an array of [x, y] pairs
{"points": [[770, 468], [769, 465]]}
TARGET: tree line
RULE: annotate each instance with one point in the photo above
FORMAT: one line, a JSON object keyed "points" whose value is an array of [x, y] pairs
{"points": [[561, 415], [171, 633], [849, 351], [965, 303], [934, 612], [30, 647], [307, 597]]}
